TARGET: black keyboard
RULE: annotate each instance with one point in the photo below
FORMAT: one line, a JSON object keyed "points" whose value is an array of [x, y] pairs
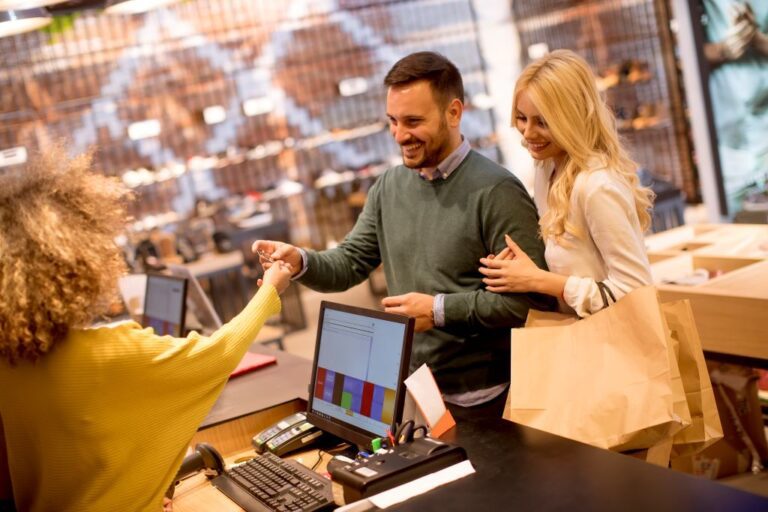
{"points": [[269, 483]]}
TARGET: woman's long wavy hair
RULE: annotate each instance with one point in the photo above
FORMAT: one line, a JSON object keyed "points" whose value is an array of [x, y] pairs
{"points": [[59, 264], [562, 87]]}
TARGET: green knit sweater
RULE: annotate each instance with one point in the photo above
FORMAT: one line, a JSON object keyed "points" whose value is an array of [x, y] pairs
{"points": [[430, 236]]}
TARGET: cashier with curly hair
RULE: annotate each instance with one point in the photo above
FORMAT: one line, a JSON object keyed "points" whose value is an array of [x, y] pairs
{"points": [[94, 418]]}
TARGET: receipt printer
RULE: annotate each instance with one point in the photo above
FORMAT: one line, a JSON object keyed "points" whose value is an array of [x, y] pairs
{"points": [[398, 465]]}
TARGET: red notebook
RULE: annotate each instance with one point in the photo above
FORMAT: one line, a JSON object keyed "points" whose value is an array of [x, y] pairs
{"points": [[251, 362]]}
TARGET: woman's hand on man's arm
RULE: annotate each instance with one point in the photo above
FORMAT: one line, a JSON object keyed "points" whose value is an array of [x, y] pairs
{"points": [[513, 271]]}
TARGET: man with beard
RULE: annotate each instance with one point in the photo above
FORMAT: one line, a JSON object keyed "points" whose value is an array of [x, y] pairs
{"points": [[429, 221]]}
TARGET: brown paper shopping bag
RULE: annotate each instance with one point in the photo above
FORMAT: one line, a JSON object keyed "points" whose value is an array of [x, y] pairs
{"points": [[610, 380], [705, 428]]}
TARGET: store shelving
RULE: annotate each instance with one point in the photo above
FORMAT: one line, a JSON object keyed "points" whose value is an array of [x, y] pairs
{"points": [[90, 82], [628, 44]]}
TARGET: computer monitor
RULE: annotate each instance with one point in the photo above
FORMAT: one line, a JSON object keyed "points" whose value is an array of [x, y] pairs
{"points": [[165, 304], [200, 311], [361, 361]]}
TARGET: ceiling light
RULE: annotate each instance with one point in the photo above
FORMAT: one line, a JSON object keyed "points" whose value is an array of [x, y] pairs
{"points": [[144, 129], [258, 106], [135, 6], [353, 86], [20, 21], [214, 115]]}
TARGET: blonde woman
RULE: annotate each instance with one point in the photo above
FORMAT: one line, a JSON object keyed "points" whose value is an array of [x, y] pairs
{"points": [[592, 209], [94, 418]]}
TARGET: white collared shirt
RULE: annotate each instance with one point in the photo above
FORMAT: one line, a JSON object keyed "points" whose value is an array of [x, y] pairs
{"points": [[612, 249]]}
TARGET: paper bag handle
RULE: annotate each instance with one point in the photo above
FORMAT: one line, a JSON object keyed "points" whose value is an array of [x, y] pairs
{"points": [[605, 292]]}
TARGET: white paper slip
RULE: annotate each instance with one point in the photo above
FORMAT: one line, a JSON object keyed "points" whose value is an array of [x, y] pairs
{"points": [[409, 490], [423, 390], [421, 384], [423, 484]]}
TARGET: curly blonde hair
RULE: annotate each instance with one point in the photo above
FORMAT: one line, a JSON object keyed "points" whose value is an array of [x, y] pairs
{"points": [[562, 87], [59, 264]]}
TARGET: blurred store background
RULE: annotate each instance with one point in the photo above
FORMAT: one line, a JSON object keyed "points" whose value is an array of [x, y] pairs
{"points": [[224, 114]]}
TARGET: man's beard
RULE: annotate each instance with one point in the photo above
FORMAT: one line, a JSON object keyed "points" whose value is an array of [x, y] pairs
{"points": [[434, 156]]}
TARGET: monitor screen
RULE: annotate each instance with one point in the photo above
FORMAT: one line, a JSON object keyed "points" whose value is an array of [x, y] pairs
{"points": [[201, 314], [164, 304], [361, 360]]}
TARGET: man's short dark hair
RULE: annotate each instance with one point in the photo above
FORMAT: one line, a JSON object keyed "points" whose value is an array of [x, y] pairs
{"points": [[442, 75]]}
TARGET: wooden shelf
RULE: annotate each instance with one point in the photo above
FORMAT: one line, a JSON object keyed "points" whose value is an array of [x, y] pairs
{"points": [[730, 308], [615, 36]]}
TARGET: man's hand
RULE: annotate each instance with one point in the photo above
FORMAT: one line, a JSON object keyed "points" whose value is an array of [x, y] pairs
{"points": [[415, 305], [270, 251]]}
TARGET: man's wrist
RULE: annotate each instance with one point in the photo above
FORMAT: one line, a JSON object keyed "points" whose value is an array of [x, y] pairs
{"points": [[304, 264]]}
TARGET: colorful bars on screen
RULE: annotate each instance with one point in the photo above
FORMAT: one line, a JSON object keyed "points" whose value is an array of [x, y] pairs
{"points": [[161, 327], [355, 395]]}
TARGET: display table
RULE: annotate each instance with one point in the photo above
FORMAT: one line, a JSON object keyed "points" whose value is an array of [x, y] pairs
{"points": [[730, 304]]}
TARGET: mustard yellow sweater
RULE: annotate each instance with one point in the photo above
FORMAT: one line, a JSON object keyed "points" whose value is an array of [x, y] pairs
{"points": [[102, 422]]}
